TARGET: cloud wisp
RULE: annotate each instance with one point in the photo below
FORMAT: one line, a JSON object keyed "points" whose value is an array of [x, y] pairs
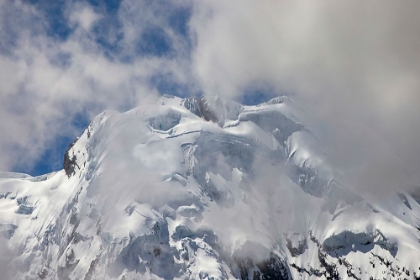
{"points": [[48, 80], [355, 63]]}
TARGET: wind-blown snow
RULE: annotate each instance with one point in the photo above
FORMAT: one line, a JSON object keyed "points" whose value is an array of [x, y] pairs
{"points": [[202, 189]]}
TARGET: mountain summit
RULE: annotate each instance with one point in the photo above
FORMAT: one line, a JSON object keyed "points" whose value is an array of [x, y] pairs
{"points": [[202, 188]]}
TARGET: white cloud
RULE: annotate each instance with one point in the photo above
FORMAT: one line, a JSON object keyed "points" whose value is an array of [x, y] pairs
{"points": [[45, 81], [84, 16], [356, 62]]}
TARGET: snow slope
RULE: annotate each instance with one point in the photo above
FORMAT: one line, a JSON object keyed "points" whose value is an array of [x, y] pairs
{"points": [[202, 188]]}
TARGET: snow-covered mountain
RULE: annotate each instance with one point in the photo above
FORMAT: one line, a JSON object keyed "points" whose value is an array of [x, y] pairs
{"points": [[202, 188]]}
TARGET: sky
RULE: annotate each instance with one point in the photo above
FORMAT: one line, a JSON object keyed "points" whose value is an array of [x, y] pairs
{"points": [[355, 62]]}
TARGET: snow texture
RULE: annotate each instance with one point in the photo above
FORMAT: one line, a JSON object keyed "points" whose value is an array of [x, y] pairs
{"points": [[202, 188]]}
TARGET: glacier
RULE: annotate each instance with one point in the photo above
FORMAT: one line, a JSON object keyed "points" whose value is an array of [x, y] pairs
{"points": [[202, 188]]}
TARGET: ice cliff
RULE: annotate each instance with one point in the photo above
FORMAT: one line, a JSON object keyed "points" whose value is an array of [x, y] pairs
{"points": [[201, 188]]}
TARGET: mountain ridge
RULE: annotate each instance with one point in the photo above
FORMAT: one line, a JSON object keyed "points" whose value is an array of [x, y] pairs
{"points": [[202, 188]]}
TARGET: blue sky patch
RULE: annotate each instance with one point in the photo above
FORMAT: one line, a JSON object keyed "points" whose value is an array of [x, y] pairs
{"points": [[154, 41], [109, 36], [54, 14], [52, 158], [179, 19], [110, 7], [166, 84], [255, 96]]}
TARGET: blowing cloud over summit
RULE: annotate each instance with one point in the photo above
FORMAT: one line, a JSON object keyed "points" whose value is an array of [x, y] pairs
{"points": [[64, 62], [224, 106]]}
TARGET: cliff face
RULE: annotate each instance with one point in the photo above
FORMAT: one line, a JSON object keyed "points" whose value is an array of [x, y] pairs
{"points": [[202, 188], [69, 163]]}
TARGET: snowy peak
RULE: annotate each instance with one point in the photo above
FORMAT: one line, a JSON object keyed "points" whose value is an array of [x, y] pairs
{"points": [[202, 188], [213, 108]]}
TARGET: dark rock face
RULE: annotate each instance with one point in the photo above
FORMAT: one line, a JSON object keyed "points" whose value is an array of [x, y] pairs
{"points": [[25, 209], [272, 268], [192, 105], [151, 251], [201, 108], [207, 112], [296, 250], [363, 241], [69, 163], [332, 256]]}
